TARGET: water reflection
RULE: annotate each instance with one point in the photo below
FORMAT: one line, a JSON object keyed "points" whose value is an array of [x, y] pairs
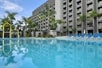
{"points": [[31, 53]]}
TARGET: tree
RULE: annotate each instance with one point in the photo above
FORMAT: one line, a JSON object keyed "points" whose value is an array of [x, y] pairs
{"points": [[11, 16], [93, 15], [30, 24], [4, 21], [18, 24], [53, 23], [60, 22], [82, 19], [73, 30], [25, 21]]}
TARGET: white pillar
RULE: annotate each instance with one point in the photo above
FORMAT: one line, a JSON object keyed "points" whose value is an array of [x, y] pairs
{"points": [[58, 9]]}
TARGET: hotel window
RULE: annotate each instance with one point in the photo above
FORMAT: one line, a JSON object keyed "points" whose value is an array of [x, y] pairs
{"points": [[70, 1], [100, 7], [79, 25], [70, 21], [70, 26], [70, 5], [78, 7], [64, 13], [89, 4], [79, 2], [64, 3], [64, 8], [70, 10], [70, 16], [64, 17], [78, 13], [99, 0], [89, 10]]}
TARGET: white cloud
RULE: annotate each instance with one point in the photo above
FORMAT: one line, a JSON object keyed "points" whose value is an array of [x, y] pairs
{"points": [[10, 6]]}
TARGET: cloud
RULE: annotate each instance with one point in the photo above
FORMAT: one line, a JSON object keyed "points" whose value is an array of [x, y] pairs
{"points": [[10, 6]]}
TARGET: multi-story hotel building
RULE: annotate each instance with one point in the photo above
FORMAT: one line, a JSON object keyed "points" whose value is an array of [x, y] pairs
{"points": [[70, 12], [43, 23]]}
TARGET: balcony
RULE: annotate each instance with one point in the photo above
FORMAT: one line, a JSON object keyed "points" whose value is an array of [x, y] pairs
{"points": [[70, 14], [79, 5], [79, 28], [79, 11], [64, 8], [100, 19], [70, 3], [70, 24], [100, 10], [89, 1], [70, 28], [90, 25], [79, 25], [70, 8], [90, 7], [70, 18], [78, 0], [100, 25], [100, 4]]}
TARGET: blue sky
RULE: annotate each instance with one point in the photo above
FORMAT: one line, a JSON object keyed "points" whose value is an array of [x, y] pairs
{"points": [[22, 7]]}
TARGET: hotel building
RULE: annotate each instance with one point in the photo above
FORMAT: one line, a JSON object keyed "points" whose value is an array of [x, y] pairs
{"points": [[70, 11]]}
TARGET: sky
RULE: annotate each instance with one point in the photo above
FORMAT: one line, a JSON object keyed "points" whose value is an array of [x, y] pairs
{"points": [[22, 7]]}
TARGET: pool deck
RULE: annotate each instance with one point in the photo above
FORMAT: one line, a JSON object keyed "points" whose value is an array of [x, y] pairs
{"points": [[72, 38]]}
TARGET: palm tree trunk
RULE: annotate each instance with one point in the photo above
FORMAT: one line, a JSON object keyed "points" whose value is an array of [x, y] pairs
{"points": [[95, 24], [95, 18]]}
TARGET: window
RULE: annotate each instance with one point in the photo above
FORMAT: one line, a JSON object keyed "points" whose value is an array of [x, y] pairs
{"points": [[79, 2], [70, 10], [70, 5], [89, 3], [64, 17], [70, 0], [64, 13], [64, 8], [99, 0], [64, 3]]}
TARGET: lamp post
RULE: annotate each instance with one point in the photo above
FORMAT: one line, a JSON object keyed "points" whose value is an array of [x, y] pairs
{"points": [[84, 31]]}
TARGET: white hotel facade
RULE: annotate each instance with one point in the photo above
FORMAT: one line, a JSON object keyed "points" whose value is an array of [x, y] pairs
{"points": [[70, 11]]}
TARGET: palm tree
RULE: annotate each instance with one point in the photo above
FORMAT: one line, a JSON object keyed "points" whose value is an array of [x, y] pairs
{"points": [[18, 24], [73, 30], [25, 20], [93, 15], [29, 24], [53, 23], [5, 20], [60, 22], [82, 19], [11, 16]]}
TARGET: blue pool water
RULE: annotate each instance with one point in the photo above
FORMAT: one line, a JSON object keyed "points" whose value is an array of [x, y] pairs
{"points": [[50, 53]]}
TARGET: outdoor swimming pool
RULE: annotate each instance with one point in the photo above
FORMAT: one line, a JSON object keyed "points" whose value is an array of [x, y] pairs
{"points": [[50, 53]]}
